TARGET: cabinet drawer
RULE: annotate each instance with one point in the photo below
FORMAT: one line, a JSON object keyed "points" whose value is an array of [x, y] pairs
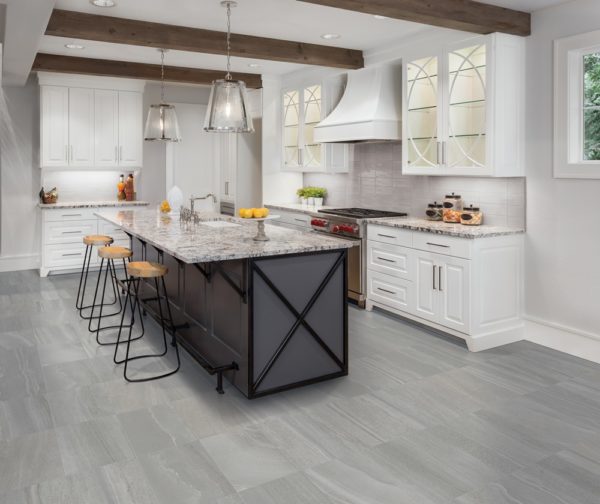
{"points": [[440, 244], [117, 233], [393, 236], [295, 219], [65, 256], [68, 232], [394, 292], [69, 214], [390, 259]]}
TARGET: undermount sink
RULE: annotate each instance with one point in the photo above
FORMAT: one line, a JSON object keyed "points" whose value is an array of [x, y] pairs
{"points": [[219, 224]]}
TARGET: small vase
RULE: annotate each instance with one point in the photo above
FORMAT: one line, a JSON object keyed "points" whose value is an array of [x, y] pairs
{"points": [[311, 201], [318, 202]]}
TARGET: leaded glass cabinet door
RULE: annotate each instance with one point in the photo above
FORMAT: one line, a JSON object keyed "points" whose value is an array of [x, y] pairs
{"points": [[422, 115], [466, 99], [291, 129], [312, 158]]}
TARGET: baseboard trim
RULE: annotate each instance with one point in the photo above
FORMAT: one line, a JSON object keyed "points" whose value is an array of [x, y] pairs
{"points": [[563, 338], [19, 262]]}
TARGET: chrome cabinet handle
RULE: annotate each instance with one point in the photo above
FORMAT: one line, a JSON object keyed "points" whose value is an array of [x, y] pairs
{"points": [[299, 220], [440, 278], [227, 188], [433, 276], [386, 260], [385, 236], [385, 290], [116, 154], [69, 255], [71, 232], [71, 215], [444, 153], [72, 153], [120, 153], [438, 156], [438, 245], [67, 153]]}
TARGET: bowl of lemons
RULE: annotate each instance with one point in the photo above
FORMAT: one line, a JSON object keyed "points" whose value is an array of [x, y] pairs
{"points": [[260, 215]]}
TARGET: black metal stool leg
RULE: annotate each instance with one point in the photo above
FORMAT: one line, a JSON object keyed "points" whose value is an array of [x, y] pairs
{"points": [[164, 332], [78, 303]]}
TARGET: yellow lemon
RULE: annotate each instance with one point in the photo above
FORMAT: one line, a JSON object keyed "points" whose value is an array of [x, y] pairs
{"points": [[265, 212], [257, 213], [246, 213], [242, 212]]}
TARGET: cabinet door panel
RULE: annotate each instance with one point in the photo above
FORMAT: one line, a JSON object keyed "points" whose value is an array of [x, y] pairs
{"points": [[426, 298], [106, 120], [453, 285], [55, 125], [422, 114], [130, 128], [81, 127]]}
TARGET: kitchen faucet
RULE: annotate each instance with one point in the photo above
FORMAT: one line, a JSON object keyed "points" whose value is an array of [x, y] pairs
{"points": [[192, 199]]}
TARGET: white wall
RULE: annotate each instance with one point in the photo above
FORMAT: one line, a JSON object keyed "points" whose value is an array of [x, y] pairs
{"points": [[152, 187], [563, 238], [19, 176]]}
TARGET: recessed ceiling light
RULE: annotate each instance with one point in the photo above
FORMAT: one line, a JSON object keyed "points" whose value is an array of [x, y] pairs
{"points": [[103, 3], [330, 36], [74, 46], [253, 65], [379, 16]]}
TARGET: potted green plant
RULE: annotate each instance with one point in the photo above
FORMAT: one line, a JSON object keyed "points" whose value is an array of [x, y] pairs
{"points": [[318, 193], [301, 193]]}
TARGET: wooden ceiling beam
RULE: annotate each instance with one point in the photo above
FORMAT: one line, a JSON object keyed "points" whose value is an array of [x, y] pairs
{"points": [[90, 66], [79, 25], [466, 15]]}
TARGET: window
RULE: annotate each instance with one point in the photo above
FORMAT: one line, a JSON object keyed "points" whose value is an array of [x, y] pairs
{"points": [[577, 106]]}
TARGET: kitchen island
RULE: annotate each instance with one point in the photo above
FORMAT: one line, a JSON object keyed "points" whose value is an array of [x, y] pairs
{"points": [[268, 316]]}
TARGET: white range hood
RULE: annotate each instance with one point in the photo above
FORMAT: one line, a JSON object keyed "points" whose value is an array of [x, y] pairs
{"points": [[370, 109]]}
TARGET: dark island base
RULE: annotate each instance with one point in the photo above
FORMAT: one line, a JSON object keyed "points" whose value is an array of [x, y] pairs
{"points": [[267, 324]]}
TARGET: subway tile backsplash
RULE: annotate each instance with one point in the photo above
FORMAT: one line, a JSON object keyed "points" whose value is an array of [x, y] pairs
{"points": [[376, 181]]}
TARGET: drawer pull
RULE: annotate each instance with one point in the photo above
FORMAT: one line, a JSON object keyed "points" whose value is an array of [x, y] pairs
{"points": [[386, 260], [72, 215], [438, 245], [386, 291], [71, 255], [71, 232], [386, 236], [299, 220]]}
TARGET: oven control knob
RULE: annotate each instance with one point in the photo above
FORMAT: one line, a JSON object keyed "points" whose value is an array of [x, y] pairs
{"points": [[336, 229]]}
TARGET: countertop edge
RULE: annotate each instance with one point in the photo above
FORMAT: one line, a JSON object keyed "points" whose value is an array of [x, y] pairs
{"points": [[466, 232], [91, 204]]}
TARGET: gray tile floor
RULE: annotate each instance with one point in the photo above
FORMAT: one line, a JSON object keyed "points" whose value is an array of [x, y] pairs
{"points": [[419, 420]]}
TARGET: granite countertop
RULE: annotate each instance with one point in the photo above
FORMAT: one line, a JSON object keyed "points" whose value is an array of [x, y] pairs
{"points": [[297, 207], [199, 243], [436, 227], [92, 204]]}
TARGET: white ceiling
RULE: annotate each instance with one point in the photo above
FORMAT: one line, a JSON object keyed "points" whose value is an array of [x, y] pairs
{"points": [[284, 19]]}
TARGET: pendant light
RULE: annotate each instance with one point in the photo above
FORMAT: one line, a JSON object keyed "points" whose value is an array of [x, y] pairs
{"points": [[227, 106], [161, 123]]}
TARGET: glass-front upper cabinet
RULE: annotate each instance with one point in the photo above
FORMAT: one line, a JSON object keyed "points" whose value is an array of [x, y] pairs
{"points": [[302, 111], [421, 113], [466, 97], [463, 109]]}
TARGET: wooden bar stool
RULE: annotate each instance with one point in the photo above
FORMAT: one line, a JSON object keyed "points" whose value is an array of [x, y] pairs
{"points": [[90, 241], [137, 271], [108, 256]]}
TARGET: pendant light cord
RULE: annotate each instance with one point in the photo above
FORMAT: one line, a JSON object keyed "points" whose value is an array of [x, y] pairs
{"points": [[162, 76], [228, 75]]}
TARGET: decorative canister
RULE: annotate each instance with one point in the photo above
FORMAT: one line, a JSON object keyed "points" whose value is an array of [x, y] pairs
{"points": [[453, 205], [471, 216], [435, 211]]}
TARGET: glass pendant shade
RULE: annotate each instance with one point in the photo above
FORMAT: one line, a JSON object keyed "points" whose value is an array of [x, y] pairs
{"points": [[227, 108], [161, 124]]}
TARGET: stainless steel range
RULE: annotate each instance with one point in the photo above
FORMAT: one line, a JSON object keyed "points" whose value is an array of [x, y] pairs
{"points": [[350, 224]]}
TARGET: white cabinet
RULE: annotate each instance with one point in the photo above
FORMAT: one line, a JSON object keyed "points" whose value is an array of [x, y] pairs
{"points": [[85, 125], [54, 101], [106, 127], [463, 109], [470, 288], [81, 127], [303, 107], [130, 129], [442, 290], [226, 156]]}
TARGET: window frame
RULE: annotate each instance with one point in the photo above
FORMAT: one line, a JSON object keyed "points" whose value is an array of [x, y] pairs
{"points": [[569, 104]]}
